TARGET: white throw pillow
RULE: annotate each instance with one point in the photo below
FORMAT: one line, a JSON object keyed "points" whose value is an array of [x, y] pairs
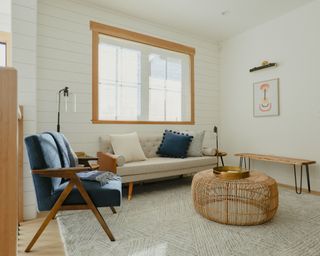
{"points": [[195, 148], [128, 145]]}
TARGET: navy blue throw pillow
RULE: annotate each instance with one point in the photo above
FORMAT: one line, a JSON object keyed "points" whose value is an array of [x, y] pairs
{"points": [[174, 144]]}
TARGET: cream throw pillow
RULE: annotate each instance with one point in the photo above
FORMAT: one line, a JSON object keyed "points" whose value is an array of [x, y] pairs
{"points": [[127, 145]]}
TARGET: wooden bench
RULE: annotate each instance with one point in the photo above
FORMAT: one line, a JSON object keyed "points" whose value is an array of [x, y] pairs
{"points": [[283, 160]]}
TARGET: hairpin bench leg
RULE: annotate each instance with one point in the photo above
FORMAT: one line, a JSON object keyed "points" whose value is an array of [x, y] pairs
{"points": [[308, 178], [295, 179]]}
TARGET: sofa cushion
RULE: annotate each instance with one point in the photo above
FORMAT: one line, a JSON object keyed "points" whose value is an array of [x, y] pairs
{"points": [[149, 144], [159, 164], [174, 144], [128, 145], [195, 148]]}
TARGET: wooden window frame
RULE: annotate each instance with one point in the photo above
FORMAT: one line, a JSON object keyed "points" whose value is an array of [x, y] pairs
{"points": [[98, 28]]}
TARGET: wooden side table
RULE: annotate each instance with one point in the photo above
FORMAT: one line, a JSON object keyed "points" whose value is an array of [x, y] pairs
{"points": [[84, 159], [221, 154]]}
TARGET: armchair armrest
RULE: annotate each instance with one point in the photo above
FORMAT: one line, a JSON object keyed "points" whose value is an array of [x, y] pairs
{"points": [[60, 172], [107, 162]]}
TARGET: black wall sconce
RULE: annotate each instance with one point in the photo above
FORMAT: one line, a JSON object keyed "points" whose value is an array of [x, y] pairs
{"points": [[264, 64]]}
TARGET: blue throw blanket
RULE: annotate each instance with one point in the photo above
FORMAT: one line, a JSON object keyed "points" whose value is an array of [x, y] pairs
{"points": [[67, 155], [98, 176], [68, 159]]}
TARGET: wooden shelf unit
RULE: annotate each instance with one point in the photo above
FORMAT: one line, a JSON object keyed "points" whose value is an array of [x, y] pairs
{"points": [[9, 162]]}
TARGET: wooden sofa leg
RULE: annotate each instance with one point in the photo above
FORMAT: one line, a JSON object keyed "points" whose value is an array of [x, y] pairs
{"points": [[130, 190], [113, 210]]}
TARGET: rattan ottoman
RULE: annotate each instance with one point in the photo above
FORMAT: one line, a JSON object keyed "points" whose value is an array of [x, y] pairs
{"points": [[249, 201]]}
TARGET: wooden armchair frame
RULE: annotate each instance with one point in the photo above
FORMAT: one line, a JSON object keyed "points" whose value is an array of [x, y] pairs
{"points": [[71, 174]]}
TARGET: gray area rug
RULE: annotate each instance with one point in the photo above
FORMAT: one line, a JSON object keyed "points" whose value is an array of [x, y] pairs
{"points": [[160, 220]]}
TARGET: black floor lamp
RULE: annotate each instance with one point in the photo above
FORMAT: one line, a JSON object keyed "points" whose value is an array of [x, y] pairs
{"points": [[66, 93], [215, 131]]}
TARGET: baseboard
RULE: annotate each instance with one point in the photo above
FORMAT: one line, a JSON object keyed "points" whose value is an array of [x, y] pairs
{"points": [[317, 193]]}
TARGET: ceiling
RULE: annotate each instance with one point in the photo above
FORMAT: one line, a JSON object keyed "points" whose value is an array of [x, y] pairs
{"points": [[205, 17]]}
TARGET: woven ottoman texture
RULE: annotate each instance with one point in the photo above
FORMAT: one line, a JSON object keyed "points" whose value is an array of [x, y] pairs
{"points": [[249, 201]]}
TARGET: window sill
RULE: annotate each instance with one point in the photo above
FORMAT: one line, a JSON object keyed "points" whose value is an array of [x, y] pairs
{"points": [[142, 122]]}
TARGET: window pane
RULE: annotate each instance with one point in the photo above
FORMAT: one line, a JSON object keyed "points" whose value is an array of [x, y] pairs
{"points": [[157, 72], [107, 102], [157, 66], [127, 103], [129, 66], [157, 83], [107, 63], [156, 105], [165, 75], [3, 55], [120, 82], [174, 69], [174, 79], [173, 106]]}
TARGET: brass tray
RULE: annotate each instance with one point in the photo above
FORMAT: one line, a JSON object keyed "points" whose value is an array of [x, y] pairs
{"points": [[231, 172]]}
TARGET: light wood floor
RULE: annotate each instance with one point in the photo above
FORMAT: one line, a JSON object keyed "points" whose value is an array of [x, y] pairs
{"points": [[49, 242]]}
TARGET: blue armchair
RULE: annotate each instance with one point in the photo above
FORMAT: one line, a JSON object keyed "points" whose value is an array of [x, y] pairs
{"points": [[57, 185]]}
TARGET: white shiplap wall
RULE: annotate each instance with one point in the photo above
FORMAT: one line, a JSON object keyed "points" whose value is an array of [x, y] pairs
{"points": [[5, 15], [24, 37], [64, 58]]}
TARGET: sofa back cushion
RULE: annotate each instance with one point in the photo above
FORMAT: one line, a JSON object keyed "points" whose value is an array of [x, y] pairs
{"points": [[174, 144], [128, 145], [196, 145], [149, 144]]}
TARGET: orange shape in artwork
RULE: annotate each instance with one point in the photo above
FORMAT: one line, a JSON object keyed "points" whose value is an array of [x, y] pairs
{"points": [[265, 104]]}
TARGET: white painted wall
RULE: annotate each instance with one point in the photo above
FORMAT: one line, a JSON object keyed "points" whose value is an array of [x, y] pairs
{"points": [[293, 41], [24, 38], [5, 15], [64, 58]]}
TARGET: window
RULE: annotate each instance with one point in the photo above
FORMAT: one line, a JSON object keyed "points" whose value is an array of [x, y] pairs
{"points": [[140, 79], [5, 47]]}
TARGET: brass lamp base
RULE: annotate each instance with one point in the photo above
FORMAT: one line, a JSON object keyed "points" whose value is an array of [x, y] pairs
{"points": [[231, 172]]}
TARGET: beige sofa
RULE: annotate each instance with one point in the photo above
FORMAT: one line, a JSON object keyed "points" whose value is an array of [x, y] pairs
{"points": [[154, 167]]}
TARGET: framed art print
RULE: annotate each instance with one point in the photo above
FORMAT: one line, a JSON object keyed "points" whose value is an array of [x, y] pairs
{"points": [[266, 98]]}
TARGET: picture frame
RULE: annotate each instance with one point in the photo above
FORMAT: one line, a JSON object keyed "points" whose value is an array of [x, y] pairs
{"points": [[266, 98]]}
